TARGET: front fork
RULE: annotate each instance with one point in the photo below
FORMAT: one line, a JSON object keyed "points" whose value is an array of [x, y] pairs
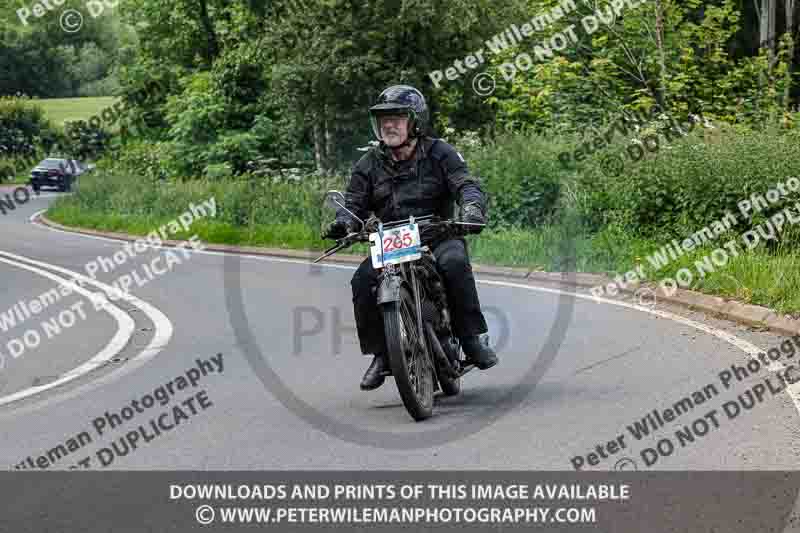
{"points": [[391, 279], [389, 283]]}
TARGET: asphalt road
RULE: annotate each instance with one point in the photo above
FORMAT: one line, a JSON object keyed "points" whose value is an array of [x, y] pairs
{"points": [[574, 374]]}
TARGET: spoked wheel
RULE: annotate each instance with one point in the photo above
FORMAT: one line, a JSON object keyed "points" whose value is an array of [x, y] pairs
{"points": [[411, 365]]}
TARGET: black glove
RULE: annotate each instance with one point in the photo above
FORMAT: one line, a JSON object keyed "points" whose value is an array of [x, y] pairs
{"points": [[473, 214], [337, 230]]}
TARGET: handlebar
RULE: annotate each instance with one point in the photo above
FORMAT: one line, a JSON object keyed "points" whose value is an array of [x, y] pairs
{"points": [[371, 226], [428, 221]]}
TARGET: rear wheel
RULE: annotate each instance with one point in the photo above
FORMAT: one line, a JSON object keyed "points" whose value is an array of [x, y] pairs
{"points": [[411, 365]]}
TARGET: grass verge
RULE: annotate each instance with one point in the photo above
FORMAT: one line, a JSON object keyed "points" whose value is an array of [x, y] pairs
{"points": [[19, 179], [291, 217]]}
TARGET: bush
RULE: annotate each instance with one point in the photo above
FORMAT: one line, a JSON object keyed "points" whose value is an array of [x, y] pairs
{"points": [[23, 128], [7, 170], [673, 193], [523, 177], [208, 130], [26, 136], [17, 167], [139, 159], [690, 183], [86, 141]]}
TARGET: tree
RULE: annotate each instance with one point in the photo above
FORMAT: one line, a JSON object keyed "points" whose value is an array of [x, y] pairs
{"points": [[335, 56]]}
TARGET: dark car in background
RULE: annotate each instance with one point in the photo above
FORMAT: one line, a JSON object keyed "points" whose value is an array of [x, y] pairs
{"points": [[59, 173]]}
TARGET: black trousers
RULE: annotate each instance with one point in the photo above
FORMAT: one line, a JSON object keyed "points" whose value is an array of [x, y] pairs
{"points": [[453, 263]]}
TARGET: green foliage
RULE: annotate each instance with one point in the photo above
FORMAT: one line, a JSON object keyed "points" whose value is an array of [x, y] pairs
{"points": [[196, 117], [669, 195], [85, 141], [23, 126], [26, 136], [522, 176], [141, 160], [241, 203], [276, 79], [621, 67], [689, 184], [41, 59], [218, 171], [208, 129], [334, 57]]}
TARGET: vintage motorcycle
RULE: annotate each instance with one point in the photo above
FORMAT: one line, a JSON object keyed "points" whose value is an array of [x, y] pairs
{"points": [[424, 354]]}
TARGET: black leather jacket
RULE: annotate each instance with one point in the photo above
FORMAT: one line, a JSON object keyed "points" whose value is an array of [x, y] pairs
{"points": [[430, 182]]}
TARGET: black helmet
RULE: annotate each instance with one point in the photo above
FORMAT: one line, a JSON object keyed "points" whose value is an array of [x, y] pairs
{"points": [[399, 99]]}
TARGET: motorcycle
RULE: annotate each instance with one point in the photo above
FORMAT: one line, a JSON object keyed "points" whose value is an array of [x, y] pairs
{"points": [[424, 354]]}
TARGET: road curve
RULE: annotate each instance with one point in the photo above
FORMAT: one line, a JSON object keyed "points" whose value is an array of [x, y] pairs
{"points": [[574, 374]]}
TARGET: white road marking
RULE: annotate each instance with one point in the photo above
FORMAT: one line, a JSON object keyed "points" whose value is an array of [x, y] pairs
{"points": [[115, 345], [167, 247], [162, 325], [750, 349]]}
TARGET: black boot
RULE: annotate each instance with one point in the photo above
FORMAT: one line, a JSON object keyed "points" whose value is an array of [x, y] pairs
{"points": [[479, 352], [375, 374]]}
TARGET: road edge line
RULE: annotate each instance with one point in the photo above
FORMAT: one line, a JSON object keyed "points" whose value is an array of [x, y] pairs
{"points": [[751, 315], [161, 323], [751, 350], [120, 339]]}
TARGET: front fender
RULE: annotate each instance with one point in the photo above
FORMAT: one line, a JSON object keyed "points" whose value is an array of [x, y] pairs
{"points": [[389, 289]]}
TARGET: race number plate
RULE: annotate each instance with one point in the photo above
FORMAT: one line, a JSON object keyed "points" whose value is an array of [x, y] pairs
{"points": [[399, 245]]}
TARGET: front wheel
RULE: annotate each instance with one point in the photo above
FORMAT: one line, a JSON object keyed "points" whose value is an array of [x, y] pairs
{"points": [[411, 366]]}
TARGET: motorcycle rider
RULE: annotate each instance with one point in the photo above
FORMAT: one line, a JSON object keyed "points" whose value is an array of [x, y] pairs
{"points": [[409, 174]]}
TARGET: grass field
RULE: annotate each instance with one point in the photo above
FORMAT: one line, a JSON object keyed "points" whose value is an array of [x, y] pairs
{"points": [[60, 109]]}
